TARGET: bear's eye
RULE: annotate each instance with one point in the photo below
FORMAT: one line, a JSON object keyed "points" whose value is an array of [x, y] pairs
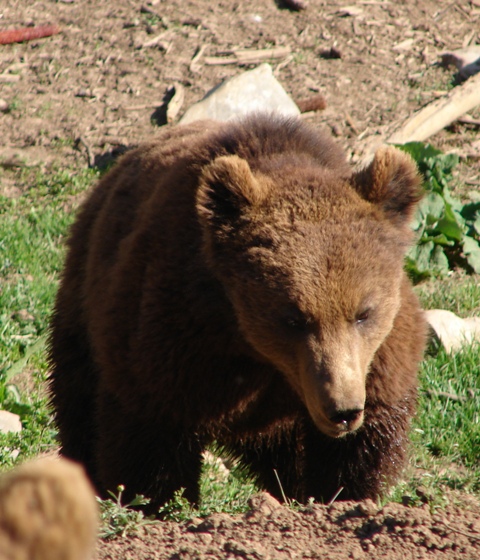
{"points": [[362, 316], [295, 320]]}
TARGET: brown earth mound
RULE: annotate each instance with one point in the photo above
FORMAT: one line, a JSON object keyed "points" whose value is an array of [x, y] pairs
{"points": [[270, 531]]}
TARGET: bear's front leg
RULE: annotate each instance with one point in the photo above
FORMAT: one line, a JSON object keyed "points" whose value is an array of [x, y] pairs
{"points": [[153, 459], [274, 460], [360, 465]]}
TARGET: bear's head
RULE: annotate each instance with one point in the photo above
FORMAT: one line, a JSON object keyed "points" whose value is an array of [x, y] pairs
{"points": [[311, 261]]}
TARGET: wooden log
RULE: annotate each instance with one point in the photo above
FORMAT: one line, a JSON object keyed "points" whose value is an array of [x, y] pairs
{"points": [[438, 114]]}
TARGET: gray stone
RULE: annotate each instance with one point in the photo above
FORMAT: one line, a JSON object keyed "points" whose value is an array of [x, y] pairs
{"points": [[252, 91]]}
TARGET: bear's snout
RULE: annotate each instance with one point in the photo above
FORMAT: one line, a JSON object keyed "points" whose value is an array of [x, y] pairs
{"points": [[347, 420], [336, 409], [334, 386]]}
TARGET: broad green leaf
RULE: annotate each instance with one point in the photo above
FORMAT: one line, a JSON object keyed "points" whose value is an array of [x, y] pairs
{"points": [[443, 164], [413, 271], [440, 239], [439, 260], [456, 205], [471, 250], [423, 256], [419, 151], [432, 206], [449, 224], [443, 224]]}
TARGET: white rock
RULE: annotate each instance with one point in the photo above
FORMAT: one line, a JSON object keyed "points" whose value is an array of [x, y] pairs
{"points": [[452, 331], [9, 422], [252, 91]]}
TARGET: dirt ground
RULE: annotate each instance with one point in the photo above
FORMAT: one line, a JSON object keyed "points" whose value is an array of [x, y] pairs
{"points": [[78, 97]]}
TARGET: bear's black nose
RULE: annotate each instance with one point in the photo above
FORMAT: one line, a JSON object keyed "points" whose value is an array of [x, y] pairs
{"points": [[346, 417]]}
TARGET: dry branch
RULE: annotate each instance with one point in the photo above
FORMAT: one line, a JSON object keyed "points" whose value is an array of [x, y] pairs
{"points": [[244, 57], [467, 119], [445, 395], [439, 114], [194, 64]]}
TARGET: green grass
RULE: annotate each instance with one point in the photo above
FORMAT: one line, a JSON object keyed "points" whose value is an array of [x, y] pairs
{"points": [[224, 490], [458, 293], [32, 230], [445, 451], [449, 417]]}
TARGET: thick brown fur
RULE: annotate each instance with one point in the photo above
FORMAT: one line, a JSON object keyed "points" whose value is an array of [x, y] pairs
{"points": [[48, 511], [238, 283]]}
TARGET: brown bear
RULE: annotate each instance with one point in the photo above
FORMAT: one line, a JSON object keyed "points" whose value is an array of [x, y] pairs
{"points": [[238, 283], [48, 511]]}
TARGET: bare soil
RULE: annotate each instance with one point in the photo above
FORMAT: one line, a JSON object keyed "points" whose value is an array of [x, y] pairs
{"points": [[271, 531], [80, 97]]}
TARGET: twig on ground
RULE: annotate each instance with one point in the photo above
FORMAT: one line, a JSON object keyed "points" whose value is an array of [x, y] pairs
{"points": [[337, 493], [194, 64], [244, 57], [445, 395], [467, 119], [463, 533], [10, 36], [351, 124]]}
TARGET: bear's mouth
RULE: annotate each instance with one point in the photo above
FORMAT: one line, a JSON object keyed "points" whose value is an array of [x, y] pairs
{"points": [[340, 425]]}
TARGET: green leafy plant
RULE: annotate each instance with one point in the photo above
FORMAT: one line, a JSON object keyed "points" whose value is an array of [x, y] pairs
{"points": [[447, 230], [178, 508], [119, 520]]}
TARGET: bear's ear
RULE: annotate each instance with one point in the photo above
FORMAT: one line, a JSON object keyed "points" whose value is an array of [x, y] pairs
{"points": [[227, 188], [392, 182]]}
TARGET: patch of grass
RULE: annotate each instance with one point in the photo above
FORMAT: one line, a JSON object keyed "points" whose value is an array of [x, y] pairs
{"points": [[224, 489], [458, 293], [448, 423], [16, 105], [445, 452], [32, 231]]}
